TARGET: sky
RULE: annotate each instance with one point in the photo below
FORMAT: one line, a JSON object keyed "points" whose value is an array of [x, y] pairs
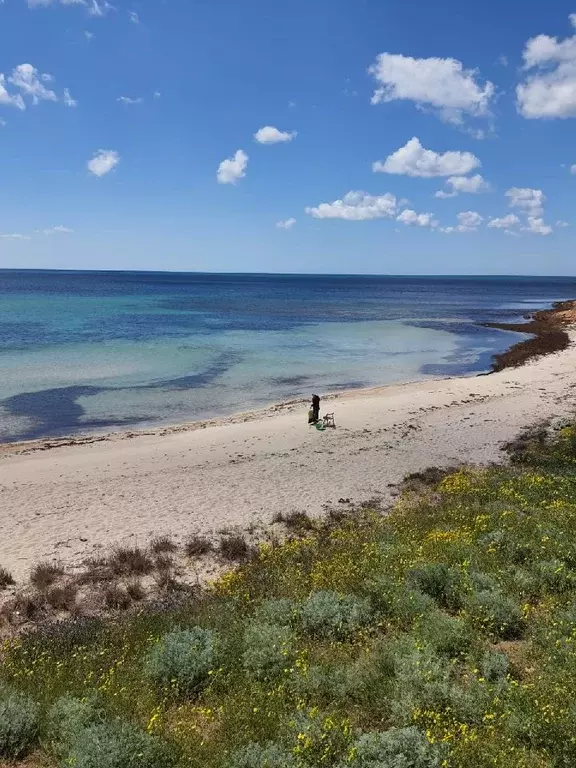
{"points": [[339, 136]]}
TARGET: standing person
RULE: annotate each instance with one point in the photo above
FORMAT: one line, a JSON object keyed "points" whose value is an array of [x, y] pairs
{"points": [[315, 409]]}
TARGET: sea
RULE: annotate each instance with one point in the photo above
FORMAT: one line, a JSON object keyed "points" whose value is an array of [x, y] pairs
{"points": [[88, 352]]}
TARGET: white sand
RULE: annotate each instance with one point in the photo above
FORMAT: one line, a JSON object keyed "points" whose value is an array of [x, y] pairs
{"points": [[67, 502]]}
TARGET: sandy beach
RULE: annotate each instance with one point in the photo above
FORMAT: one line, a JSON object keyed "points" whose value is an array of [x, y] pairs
{"points": [[67, 502]]}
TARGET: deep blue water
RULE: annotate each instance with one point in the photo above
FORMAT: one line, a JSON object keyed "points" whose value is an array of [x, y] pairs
{"points": [[97, 350]]}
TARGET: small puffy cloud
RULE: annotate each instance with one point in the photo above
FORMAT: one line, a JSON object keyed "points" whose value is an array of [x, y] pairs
{"points": [[9, 99], [411, 218], [270, 135], [562, 224], [413, 160], [506, 222], [572, 18], [68, 100], [537, 226], [440, 84], [104, 161], [128, 100], [14, 236], [31, 83], [134, 17], [157, 94], [88, 35], [233, 168], [471, 184], [357, 206], [468, 221], [57, 230], [286, 224], [530, 201], [573, 169], [550, 90]]}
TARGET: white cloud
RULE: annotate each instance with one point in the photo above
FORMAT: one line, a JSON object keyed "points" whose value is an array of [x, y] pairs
{"points": [[506, 222], [104, 161], [270, 135], [411, 218], [28, 80], [15, 236], [233, 168], [88, 35], [134, 17], [573, 169], [8, 99], [57, 230], [530, 201], [357, 206], [68, 100], [100, 8], [45, 3], [562, 223], [572, 18], [128, 100], [442, 84], [472, 184], [550, 91], [468, 221], [537, 226], [157, 94], [413, 160], [286, 224]]}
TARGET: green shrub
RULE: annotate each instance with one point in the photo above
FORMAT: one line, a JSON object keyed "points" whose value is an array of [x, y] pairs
{"points": [[496, 613], [440, 582], [446, 634], [397, 601], [19, 724], [329, 615], [67, 717], [281, 612], [115, 745], [396, 748], [182, 659], [320, 738], [418, 677], [482, 582], [494, 666], [261, 756], [553, 576], [269, 650]]}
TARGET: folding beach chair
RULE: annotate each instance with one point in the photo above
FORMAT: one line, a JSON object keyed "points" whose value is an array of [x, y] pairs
{"points": [[328, 420]]}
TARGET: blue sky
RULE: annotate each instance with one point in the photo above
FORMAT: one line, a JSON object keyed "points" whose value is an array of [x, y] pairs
{"points": [[117, 117]]}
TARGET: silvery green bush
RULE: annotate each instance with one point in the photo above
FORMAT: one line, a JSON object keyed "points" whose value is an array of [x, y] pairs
{"points": [[329, 615], [396, 748], [115, 745], [497, 613], [269, 650], [67, 717], [446, 634], [182, 659], [281, 611], [19, 724], [442, 583], [261, 756]]}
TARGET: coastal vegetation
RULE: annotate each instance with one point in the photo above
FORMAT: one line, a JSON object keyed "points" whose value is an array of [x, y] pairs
{"points": [[440, 635]]}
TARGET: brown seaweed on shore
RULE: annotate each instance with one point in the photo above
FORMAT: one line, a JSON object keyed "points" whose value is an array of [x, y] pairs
{"points": [[549, 335]]}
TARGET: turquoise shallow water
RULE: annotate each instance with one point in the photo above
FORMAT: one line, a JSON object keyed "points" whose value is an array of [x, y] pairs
{"points": [[98, 351]]}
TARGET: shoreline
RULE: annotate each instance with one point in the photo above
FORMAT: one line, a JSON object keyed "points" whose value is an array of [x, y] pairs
{"points": [[239, 473], [550, 335]]}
